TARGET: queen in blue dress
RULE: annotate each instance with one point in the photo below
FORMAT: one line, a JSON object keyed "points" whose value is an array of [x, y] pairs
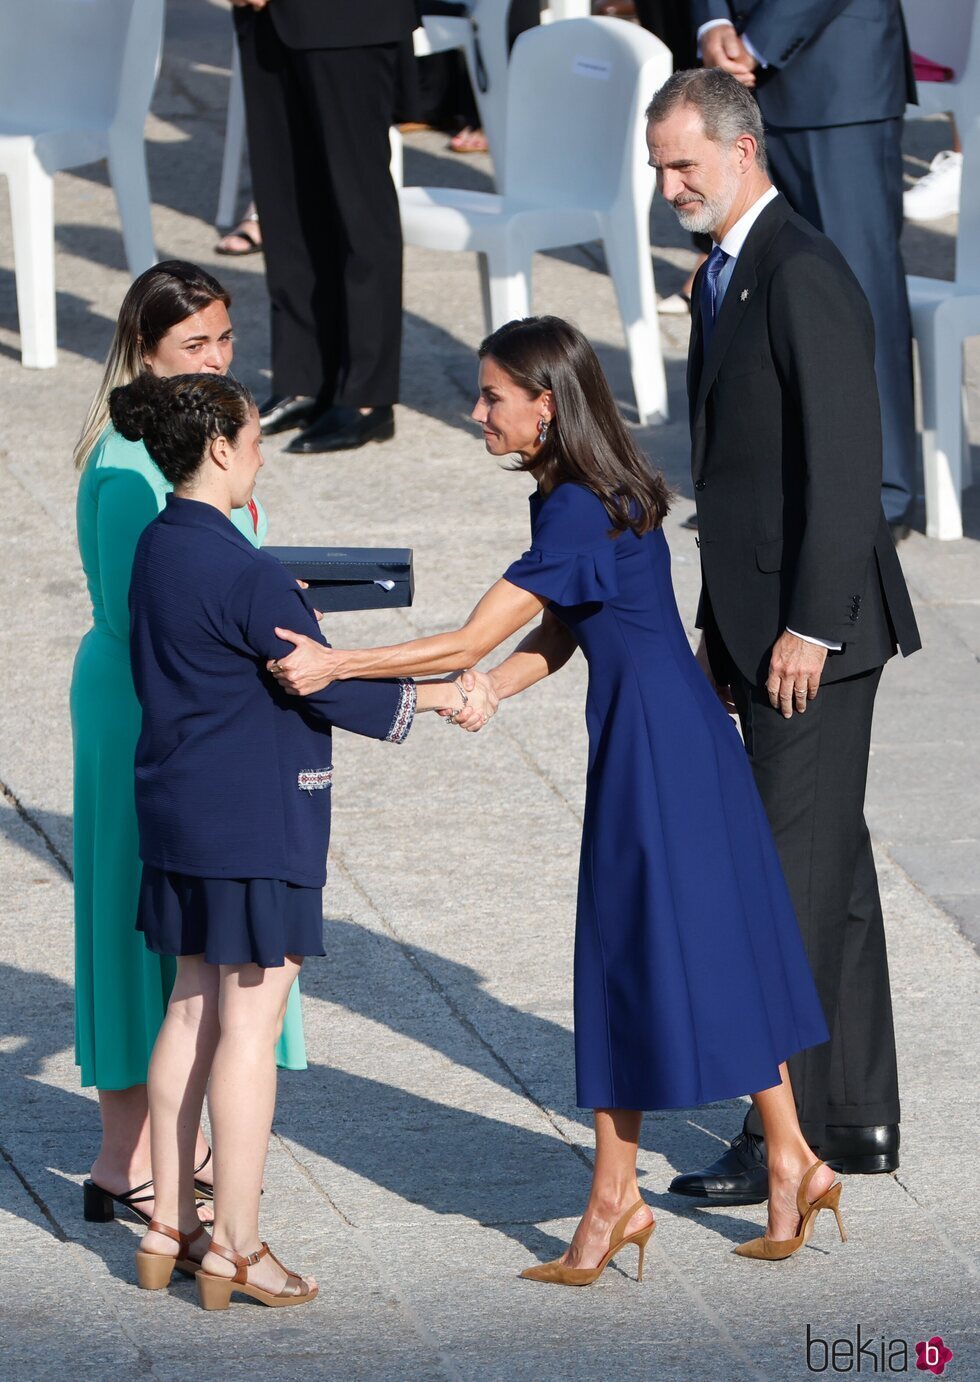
{"points": [[691, 981]]}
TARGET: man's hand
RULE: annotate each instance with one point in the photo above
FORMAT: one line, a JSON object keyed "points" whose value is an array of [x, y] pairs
{"points": [[722, 47], [724, 693], [481, 704], [795, 668], [309, 667]]}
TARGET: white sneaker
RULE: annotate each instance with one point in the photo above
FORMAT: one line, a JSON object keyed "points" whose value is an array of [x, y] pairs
{"points": [[938, 193]]}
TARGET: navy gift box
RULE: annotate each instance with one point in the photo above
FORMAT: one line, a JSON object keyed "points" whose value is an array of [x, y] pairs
{"points": [[344, 578]]}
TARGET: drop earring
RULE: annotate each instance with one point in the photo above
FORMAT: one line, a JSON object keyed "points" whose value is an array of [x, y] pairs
{"points": [[543, 431]]}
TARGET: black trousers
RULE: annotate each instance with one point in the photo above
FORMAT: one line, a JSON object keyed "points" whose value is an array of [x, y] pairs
{"points": [[847, 181], [811, 772], [318, 135]]}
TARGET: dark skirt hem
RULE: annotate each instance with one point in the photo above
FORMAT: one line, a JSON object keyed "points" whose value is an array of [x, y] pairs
{"points": [[719, 1094], [230, 921]]}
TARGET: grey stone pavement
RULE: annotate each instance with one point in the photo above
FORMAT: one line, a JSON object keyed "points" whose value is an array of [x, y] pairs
{"points": [[433, 1148]]}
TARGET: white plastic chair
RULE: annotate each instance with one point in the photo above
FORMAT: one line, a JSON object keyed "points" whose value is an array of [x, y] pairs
{"points": [[576, 171], [944, 314], [76, 80]]}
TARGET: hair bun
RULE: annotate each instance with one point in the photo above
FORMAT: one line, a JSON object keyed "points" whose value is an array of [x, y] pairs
{"points": [[135, 408]]}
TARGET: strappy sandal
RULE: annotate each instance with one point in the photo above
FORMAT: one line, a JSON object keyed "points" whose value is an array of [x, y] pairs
{"points": [[154, 1269], [469, 141], [244, 232], [215, 1292], [97, 1202], [202, 1189]]}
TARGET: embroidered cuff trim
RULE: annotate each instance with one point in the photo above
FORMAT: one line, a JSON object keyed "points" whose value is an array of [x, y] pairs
{"points": [[405, 713], [314, 779]]}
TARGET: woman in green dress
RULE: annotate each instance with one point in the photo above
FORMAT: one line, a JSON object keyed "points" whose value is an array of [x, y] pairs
{"points": [[174, 320]]}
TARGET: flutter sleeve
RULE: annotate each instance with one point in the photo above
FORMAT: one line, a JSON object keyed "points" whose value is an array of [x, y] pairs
{"points": [[268, 597], [572, 557]]}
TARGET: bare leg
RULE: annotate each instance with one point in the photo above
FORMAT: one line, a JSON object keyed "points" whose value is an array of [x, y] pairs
{"points": [[241, 1099], [788, 1157], [614, 1187], [124, 1155], [178, 1077]]}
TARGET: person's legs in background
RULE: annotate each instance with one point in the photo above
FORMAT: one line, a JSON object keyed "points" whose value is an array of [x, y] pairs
{"points": [[350, 96], [298, 228]]}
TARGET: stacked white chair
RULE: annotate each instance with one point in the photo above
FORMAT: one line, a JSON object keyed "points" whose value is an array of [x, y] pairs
{"points": [[944, 314], [577, 171], [76, 80]]}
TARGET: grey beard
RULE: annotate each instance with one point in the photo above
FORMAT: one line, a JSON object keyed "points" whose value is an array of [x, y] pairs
{"points": [[703, 220]]}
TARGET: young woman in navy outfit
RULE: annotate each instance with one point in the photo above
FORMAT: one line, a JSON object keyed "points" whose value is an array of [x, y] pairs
{"points": [[691, 981], [233, 802]]}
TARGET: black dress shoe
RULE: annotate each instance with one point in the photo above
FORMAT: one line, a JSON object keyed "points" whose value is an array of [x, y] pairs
{"points": [[861, 1151], [344, 429], [739, 1176], [283, 411]]}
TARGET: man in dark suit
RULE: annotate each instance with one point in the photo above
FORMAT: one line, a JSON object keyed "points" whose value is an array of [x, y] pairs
{"points": [[319, 79], [803, 598], [832, 78]]}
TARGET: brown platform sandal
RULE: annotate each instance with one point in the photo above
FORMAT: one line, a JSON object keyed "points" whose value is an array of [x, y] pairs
{"points": [[777, 1249], [154, 1269], [215, 1292], [557, 1273]]}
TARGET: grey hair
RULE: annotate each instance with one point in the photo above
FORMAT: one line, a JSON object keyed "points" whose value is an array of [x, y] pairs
{"points": [[727, 108]]}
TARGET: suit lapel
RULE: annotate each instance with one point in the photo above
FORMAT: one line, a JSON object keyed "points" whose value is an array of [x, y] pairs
{"points": [[738, 295]]}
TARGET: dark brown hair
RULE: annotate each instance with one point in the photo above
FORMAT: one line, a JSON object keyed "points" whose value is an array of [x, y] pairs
{"points": [[587, 441], [177, 418]]}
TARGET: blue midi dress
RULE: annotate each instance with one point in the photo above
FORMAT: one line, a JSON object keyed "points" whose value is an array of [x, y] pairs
{"points": [[691, 981]]}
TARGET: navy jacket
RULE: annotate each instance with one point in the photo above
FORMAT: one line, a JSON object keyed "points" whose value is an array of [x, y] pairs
{"points": [[830, 62], [233, 775]]}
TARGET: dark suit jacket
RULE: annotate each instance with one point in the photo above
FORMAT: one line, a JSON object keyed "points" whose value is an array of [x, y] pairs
{"points": [[340, 23], [232, 775], [786, 460], [830, 62]]}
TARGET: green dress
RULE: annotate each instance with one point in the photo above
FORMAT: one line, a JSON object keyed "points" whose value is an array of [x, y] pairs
{"points": [[121, 989]]}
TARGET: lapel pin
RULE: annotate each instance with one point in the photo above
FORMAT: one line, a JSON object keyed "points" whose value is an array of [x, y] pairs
{"points": [[744, 295]]}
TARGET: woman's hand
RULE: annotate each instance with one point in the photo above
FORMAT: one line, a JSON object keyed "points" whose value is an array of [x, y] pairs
{"points": [[308, 668], [480, 704]]}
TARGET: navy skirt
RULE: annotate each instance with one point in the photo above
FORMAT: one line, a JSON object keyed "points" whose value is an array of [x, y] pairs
{"points": [[230, 921]]}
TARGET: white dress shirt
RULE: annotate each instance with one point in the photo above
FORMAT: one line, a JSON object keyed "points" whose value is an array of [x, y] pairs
{"points": [[732, 246]]}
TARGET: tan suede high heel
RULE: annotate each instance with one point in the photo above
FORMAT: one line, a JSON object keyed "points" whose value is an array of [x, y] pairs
{"points": [[214, 1292], [154, 1269], [775, 1249], [557, 1273]]}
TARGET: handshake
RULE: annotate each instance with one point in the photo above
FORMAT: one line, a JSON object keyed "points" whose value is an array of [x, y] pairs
{"points": [[479, 701]]}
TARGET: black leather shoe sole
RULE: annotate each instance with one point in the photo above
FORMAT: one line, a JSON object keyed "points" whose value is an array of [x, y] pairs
{"points": [[862, 1151], [863, 1165], [704, 1196], [288, 417], [311, 443]]}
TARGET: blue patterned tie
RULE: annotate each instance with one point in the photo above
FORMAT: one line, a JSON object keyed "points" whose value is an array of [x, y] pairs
{"points": [[717, 260]]}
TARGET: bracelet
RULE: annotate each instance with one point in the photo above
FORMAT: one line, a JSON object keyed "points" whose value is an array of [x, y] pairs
{"points": [[451, 717]]}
